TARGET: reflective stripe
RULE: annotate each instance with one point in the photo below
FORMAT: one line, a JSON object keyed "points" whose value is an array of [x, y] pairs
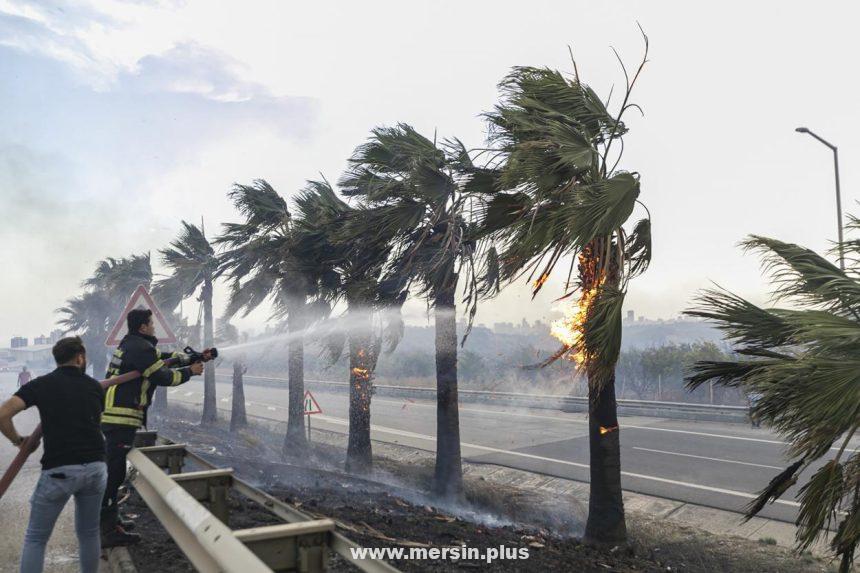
{"points": [[116, 360], [108, 419], [120, 411], [177, 378], [109, 397], [144, 388], [155, 366]]}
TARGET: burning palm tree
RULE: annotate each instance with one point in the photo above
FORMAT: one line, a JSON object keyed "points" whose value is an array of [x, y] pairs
{"points": [[804, 362], [562, 195], [192, 262], [418, 195], [350, 271]]}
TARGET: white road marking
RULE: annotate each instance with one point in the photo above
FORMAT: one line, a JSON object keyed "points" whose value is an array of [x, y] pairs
{"points": [[735, 493], [270, 408], [224, 400], [623, 426], [189, 393], [707, 458], [172, 390], [383, 429]]}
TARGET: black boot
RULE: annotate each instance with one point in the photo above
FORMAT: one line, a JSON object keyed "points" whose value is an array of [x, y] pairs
{"points": [[126, 523]]}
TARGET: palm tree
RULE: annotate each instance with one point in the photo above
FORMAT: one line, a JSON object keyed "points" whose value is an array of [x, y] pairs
{"points": [[804, 363], [261, 261], [561, 195], [416, 194], [92, 313], [119, 277], [238, 417], [89, 314], [350, 270], [192, 262]]}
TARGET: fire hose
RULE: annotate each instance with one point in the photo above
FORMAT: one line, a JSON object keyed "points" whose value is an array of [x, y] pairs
{"points": [[31, 444]]}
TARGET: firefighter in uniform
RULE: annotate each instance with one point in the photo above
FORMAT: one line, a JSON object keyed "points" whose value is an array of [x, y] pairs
{"points": [[125, 410]]}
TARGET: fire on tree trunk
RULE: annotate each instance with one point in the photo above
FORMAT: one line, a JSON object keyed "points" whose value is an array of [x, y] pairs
{"points": [[359, 454], [448, 477], [606, 523]]}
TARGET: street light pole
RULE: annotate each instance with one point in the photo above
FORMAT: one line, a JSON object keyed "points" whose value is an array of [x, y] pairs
{"points": [[838, 192]]}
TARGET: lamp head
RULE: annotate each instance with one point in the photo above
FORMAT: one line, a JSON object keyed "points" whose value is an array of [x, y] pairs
{"points": [[802, 130]]}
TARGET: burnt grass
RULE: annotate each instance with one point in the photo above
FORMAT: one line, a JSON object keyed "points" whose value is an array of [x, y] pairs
{"points": [[390, 510]]}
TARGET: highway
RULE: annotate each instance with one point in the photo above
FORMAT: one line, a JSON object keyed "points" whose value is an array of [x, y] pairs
{"points": [[714, 464]]}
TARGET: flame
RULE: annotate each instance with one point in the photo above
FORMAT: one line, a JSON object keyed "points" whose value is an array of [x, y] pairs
{"points": [[540, 281], [604, 431], [570, 329], [361, 372]]}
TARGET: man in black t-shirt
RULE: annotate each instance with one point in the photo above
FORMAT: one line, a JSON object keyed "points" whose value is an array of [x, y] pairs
{"points": [[70, 405]]}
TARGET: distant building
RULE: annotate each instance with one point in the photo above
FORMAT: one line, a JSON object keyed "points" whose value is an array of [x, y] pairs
{"points": [[19, 342], [56, 335], [631, 316], [41, 340], [36, 356]]}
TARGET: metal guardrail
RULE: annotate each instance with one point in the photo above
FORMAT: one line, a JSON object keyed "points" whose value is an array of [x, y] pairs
{"points": [[663, 409], [202, 532]]}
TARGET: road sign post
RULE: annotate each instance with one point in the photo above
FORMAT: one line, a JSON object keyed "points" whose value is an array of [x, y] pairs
{"points": [[311, 407]]}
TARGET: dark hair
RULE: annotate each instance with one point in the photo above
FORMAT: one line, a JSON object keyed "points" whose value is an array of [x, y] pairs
{"points": [[67, 348], [137, 318]]}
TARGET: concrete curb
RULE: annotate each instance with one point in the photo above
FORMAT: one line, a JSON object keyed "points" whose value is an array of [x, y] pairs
{"points": [[119, 560]]}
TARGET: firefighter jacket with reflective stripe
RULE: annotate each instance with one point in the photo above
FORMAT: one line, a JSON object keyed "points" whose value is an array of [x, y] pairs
{"points": [[126, 404]]}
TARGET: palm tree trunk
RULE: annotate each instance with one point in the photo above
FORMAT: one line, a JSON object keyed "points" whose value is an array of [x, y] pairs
{"points": [[295, 441], [238, 418], [359, 452], [606, 524], [210, 412], [448, 477]]}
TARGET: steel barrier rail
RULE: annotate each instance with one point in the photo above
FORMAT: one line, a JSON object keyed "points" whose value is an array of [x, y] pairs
{"points": [[340, 544], [203, 534], [206, 541], [681, 410]]}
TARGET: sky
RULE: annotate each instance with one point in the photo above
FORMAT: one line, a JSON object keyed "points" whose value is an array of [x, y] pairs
{"points": [[119, 119]]}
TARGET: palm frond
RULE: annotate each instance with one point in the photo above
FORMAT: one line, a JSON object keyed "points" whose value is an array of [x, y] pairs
{"points": [[802, 275]]}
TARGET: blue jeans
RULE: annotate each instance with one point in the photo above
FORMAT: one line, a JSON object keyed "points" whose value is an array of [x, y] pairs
{"points": [[86, 482]]}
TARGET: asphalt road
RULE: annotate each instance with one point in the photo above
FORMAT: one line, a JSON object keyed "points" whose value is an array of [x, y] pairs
{"points": [[713, 464], [707, 463]]}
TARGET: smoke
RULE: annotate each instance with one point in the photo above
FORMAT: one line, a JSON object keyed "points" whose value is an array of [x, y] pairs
{"points": [[319, 471], [339, 326]]}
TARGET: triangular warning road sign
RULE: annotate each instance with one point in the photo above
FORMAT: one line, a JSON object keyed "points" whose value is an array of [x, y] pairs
{"points": [[311, 405], [141, 298]]}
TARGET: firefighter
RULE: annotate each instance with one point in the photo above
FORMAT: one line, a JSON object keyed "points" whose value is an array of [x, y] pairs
{"points": [[125, 410]]}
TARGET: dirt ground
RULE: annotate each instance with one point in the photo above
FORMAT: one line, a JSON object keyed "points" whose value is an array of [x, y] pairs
{"points": [[390, 510]]}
